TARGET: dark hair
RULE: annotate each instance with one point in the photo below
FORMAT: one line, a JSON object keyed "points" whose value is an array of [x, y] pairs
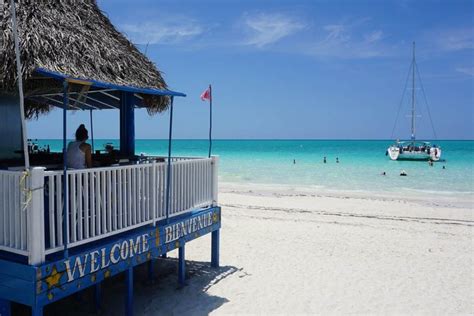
{"points": [[81, 133]]}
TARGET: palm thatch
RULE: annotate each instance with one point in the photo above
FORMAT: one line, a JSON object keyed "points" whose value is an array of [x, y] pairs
{"points": [[74, 38]]}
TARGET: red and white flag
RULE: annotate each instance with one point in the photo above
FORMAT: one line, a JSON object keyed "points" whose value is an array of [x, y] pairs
{"points": [[206, 95]]}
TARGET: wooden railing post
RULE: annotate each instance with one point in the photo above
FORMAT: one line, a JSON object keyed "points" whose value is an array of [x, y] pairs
{"points": [[215, 187], [35, 216]]}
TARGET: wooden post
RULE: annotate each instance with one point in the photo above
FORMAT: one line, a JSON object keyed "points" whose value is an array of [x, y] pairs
{"points": [[35, 216], [215, 180], [181, 266], [37, 311], [97, 296], [129, 296], [215, 248], [127, 124], [5, 308]]}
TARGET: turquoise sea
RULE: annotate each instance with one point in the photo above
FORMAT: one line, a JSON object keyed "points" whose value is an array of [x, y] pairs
{"points": [[360, 167]]}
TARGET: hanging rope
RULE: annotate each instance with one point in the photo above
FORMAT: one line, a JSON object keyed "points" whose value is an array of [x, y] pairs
{"points": [[426, 102], [401, 101]]}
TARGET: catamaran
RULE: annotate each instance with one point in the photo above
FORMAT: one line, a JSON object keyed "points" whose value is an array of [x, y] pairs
{"points": [[413, 149]]}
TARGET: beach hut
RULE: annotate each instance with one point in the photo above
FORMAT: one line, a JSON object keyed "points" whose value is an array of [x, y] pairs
{"points": [[64, 230]]}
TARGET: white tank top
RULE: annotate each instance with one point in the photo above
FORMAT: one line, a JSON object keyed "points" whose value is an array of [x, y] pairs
{"points": [[76, 158]]}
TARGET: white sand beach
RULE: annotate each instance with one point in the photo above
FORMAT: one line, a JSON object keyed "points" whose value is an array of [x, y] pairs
{"points": [[286, 250]]}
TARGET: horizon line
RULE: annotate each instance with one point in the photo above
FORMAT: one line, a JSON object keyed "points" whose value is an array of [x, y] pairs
{"points": [[272, 139]]}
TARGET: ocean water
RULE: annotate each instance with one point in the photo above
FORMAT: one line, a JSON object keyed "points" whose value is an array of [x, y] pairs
{"points": [[361, 163]]}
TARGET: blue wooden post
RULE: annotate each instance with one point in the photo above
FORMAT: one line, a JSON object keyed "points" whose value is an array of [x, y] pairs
{"points": [[129, 298], [37, 311], [127, 124], [97, 296], [5, 308], [150, 271], [215, 249], [181, 266]]}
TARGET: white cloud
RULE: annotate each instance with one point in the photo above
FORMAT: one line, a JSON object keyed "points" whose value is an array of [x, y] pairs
{"points": [[265, 29], [163, 31], [466, 70], [455, 39], [348, 41], [374, 36]]}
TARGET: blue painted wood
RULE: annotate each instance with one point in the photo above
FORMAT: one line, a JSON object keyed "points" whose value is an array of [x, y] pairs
{"points": [[37, 311], [129, 297], [157, 240], [181, 265], [150, 270], [18, 270], [39, 286], [215, 248], [98, 296], [17, 282], [5, 308], [105, 85], [127, 124]]}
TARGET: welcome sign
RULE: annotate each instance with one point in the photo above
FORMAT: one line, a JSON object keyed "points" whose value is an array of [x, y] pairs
{"points": [[95, 264]]}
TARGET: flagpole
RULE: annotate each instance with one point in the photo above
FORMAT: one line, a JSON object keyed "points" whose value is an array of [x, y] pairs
{"points": [[210, 120]]}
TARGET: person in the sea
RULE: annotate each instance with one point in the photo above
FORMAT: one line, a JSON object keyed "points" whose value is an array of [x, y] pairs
{"points": [[79, 153], [444, 167], [337, 159], [384, 173], [294, 161], [324, 160]]}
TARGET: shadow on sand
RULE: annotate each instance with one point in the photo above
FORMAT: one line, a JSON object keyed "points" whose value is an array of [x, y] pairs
{"points": [[162, 296]]}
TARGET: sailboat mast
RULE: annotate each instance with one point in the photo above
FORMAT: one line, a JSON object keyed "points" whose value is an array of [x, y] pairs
{"points": [[413, 98]]}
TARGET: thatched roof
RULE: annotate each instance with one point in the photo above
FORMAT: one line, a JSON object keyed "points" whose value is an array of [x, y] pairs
{"points": [[73, 38]]}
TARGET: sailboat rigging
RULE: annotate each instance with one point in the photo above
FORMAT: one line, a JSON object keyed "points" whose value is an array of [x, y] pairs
{"points": [[413, 149]]}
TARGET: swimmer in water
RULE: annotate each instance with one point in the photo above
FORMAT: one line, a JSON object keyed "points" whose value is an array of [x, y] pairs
{"points": [[384, 173], [294, 161], [324, 160], [337, 159]]}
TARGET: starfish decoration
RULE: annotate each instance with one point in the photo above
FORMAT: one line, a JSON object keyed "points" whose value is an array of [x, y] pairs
{"points": [[215, 218], [53, 279]]}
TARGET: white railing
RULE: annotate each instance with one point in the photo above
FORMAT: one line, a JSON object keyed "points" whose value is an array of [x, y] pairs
{"points": [[101, 202], [13, 223]]}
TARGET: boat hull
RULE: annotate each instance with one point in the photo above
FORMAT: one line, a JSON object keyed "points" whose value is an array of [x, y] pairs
{"points": [[395, 153]]}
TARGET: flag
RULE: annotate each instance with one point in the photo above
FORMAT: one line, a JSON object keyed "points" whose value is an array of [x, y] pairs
{"points": [[206, 95]]}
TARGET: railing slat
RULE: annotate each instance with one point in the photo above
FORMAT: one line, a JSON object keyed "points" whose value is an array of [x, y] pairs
{"points": [[103, 203], [108, 201], [80, 208], [59, 209], [52, 212], [92, 203], [119, 200], [114, 200], [73, 211], [86, 205]]}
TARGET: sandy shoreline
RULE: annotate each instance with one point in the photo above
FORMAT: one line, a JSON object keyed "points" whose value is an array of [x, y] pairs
{"points": [[298, 250]]}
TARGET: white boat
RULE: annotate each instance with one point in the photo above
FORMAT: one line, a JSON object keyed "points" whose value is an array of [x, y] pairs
{"points": [[413, 149]]}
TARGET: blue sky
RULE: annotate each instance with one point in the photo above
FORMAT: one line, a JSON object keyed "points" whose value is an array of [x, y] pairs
{"points": [[298, 69]]}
